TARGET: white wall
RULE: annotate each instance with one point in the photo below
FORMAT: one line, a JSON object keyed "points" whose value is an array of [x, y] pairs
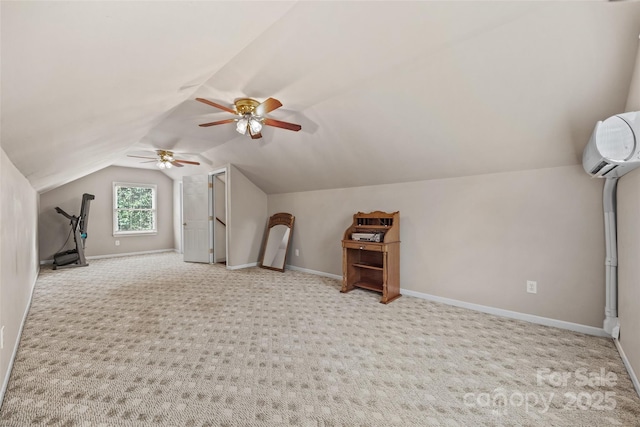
{"points": [[54, 228], [18, 256], [246, 219], [476, 239]]}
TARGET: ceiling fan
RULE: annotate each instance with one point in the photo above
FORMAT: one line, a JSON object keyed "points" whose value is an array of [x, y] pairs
{"points": [[252, 116], [165, 160]]}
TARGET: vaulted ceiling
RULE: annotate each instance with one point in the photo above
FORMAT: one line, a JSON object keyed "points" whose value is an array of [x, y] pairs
{"points": [[385, 91]]}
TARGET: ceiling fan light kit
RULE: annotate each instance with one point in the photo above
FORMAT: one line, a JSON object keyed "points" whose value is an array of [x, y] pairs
{"points": [[252, 116], [255, 123], [164, 159], [241, 125]]}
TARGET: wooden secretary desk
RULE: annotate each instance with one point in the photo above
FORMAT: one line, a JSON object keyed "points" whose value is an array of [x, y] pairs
{"points": [[373, 265]]}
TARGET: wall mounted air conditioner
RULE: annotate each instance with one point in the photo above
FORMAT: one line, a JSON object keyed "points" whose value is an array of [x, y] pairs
{"points": [[612, 151], [614, 147]]}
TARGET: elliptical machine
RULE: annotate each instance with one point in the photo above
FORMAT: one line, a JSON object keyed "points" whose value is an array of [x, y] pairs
{"points": [[75, 257]]}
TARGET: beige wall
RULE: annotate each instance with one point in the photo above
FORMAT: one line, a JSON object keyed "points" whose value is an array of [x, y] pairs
{"points": [[633, 100], [476, 239], [18, 255], [246, 219], [54, 228], [629, 267]]}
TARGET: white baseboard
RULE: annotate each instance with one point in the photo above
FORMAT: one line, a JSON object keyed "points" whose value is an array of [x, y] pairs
{"points": [[632, 374], [238, 267], [156, 251], [5, 381], [576, 327], [317, 273]]}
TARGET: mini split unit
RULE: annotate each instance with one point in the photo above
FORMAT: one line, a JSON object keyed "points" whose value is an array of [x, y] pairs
{"points": [[614, 147], [612, 151]]}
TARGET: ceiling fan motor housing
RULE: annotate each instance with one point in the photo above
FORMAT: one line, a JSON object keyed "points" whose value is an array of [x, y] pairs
{"points": [[165, 155], [246, 105]]}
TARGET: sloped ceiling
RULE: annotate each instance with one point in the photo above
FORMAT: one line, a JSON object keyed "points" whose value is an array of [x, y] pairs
{"points": [[385, 91]]}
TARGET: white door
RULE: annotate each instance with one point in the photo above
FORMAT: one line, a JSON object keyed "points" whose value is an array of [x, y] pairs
{"points": [[195, 217]]}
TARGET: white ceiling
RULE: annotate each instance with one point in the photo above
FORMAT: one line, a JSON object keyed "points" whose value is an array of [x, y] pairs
{"points": [[385, 91]]}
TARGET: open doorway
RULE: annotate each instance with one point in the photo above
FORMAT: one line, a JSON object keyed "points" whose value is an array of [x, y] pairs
{"points": [[219, 197]]}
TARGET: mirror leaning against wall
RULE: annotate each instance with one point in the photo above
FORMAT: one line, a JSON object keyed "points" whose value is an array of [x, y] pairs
{"points": [[276, 241]]}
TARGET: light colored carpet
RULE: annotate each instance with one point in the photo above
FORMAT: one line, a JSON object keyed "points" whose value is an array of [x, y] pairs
{"points": [[150, 340]]}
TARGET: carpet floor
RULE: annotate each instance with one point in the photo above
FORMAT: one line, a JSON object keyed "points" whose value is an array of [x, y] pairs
{"points": [[153, 341]]}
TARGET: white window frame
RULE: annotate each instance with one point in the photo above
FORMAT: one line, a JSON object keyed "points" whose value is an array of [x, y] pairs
{"points": [[153, 209]]}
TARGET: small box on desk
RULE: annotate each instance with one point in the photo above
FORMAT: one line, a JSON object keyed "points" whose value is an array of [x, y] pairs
{"points": [[368, 237]]}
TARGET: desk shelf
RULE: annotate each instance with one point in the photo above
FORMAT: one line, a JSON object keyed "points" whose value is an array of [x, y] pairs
{"points": [[369, 285], [371, 266]]}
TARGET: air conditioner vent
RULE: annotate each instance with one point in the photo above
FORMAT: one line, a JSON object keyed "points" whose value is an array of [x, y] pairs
{"points": [[598, 167]]}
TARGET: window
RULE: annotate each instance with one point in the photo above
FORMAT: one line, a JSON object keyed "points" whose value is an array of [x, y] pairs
{"points": [[134, 208]]}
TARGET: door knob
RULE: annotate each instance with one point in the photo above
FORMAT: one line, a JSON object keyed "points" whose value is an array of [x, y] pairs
{"points": [[184, 223]]}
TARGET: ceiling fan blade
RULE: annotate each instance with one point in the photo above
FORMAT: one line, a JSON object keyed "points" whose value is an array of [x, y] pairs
{"points": [[149, 161], [220, 122], [213, 104], [283, 125], [267, 106], [187, 162], [176, 164], [141, 157]]}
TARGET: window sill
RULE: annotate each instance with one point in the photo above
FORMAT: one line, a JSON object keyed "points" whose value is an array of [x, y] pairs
{"points": [[135, 233]]}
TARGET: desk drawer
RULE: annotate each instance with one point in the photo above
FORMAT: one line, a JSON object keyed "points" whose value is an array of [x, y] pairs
{"points": [[365, 246]]}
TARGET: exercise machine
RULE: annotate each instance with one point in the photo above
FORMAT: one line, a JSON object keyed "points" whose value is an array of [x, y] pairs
{"points": [[75, 257]]}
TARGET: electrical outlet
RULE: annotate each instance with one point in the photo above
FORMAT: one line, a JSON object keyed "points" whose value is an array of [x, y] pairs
{"points": [[532, 287], [117, 242], [297, 252]]}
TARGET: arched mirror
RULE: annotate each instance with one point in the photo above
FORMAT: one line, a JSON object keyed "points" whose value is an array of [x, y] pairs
{"points": [[276, 241]]}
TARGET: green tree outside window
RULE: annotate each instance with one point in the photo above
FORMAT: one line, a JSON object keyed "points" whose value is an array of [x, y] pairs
{"points": [[135, 208]]}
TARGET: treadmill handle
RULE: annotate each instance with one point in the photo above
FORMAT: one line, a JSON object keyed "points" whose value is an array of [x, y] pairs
{"points": [[61, 212]]}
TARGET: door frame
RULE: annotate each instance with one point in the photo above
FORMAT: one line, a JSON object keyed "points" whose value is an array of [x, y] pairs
{"points": [[212, 175], [181, 218]]}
